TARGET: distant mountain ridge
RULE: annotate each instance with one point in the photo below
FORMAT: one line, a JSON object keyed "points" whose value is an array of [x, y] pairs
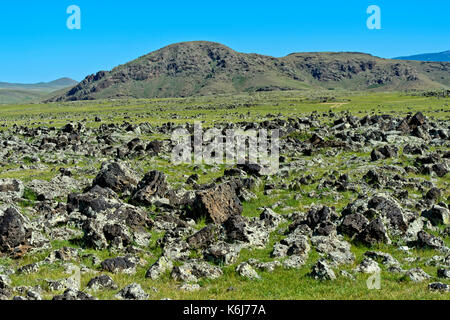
{"points": [[435, 57], [205, 68], [28, 93], [52, 85]]}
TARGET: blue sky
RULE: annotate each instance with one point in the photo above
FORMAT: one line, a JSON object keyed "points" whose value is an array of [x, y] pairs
{"points": [[36, 45]]}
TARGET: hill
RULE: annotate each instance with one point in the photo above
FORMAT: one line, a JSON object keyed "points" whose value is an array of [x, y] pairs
{"points": [[204, 68], [440, 57]]}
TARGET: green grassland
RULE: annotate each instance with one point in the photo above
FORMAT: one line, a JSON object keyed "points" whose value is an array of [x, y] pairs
{"points": [[218, 108], [282, 283]]}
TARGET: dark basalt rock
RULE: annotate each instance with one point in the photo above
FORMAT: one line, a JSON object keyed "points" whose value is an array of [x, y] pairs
{"points": [[375, 232], [119, 264], [152, 185], [116, 176], [353, 224]]}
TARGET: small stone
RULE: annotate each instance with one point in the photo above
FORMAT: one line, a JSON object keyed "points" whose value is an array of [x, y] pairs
{"points": [[190, 287], [439, 286], [161, 266], [246, 270], [368, 266], [443, 273], [132, 291], [322, 271], [72, 294], [417, 275]]}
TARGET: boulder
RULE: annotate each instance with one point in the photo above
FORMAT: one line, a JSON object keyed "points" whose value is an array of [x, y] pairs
{"points": [[375, 232], [417, 275], [102, 282], [368, 266], [117, 176], [390, 209], [217, 204], [15, 230], [152, 187], [222, 253], [120, 264], [11, 190], [437, 215], [427, 240], [192, 270], [203, 238], [439, 286], [353, 224]]}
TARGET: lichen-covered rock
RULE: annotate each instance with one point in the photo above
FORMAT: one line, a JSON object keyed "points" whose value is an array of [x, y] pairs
{"points": [[337, 251], [192, 270], [384, 258], [353, 224], [246, 270], [132, 291], [203, 238], [11, 190], [417, 275], [125, 265], [391, 210], [427, 240], [72, 294], [222, 253], [5, 281], [102, 282], [368, 266], [161, 266], [322, 271], [252, 233]]}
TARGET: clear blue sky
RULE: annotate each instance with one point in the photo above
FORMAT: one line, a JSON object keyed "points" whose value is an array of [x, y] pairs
{"points": [[35, 44]]}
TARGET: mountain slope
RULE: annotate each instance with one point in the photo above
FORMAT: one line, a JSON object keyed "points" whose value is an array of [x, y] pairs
{"points": [[440, 57], [203, 68]]}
